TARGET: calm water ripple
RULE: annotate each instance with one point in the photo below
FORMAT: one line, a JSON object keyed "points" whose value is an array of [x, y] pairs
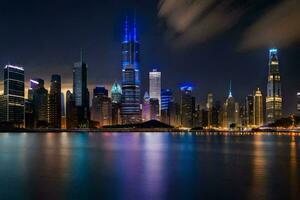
{"points": [[148, 166]]}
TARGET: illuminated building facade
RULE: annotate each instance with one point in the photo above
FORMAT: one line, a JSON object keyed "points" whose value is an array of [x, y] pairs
{"points": [[249, 109], [258, 108], [116, 97], [40, 103], [274, 98], [71, 111], [154, 109], [155, 86], [101, 107], [187, 106], [166, 98], [54, 111], [146, 107], [12, 101], [230, 112], [209, 107], [116, 93], [298, 102], [130, 105]]}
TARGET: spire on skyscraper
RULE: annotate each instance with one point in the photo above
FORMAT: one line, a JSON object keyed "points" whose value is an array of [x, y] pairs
{"points": [[126, 30], [230, 90], [81, 55], [134, 29]]}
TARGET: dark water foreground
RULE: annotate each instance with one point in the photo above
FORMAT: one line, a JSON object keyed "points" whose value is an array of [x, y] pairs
{"points": [[148, 166]]}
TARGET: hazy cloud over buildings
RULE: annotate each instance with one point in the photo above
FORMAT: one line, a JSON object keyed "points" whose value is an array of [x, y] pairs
{"points": [[279, 26]]}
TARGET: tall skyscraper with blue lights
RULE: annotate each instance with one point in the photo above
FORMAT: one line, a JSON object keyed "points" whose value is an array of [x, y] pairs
{"points": [[274, 98], [130, 106]]}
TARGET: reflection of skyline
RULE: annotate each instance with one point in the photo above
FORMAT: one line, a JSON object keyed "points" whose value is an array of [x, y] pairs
{"points": [[259, 168], [152, 165], [294, 167]]}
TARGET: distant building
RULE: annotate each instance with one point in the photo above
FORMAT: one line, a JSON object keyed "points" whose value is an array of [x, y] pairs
{"points": [[230, 109], [155, 86], [166, 98], [216, 114], [63, 109], [29, 117], [249, 109], [81, 93], [54, 111], [40, 103], [187, 106], [230, 112], [146, 116], [209, 107], [116, 93], [154, 109], [130, 106], [258, 108], [71, 111], [116, 97], [101, 107], [274, 97], [12, 105], [298, 102], [175, 113]]}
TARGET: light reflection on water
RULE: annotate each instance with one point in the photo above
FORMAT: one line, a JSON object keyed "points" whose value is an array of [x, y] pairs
{"points": [[149, 166]]}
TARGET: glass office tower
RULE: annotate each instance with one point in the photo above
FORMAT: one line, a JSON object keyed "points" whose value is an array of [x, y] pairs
{"points": [[12, 102], [81, 93], [55, 107], [155, 86], [274, 98]]}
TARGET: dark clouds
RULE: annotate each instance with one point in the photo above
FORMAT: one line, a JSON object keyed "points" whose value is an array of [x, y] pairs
{"points": [[193, 22], [279, 26], [196, 21]]}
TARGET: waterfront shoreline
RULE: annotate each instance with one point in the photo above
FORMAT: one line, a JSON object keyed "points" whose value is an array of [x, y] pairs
{"points": [[124, 130]]}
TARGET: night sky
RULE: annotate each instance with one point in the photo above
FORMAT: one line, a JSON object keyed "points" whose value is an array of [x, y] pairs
{"points": [[206, 42]]}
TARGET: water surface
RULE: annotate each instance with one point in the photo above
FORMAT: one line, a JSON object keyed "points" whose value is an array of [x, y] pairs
{"points": [[148, 166]]}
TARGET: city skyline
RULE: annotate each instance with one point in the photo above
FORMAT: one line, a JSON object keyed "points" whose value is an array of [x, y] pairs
{"points": [[103, 55]]}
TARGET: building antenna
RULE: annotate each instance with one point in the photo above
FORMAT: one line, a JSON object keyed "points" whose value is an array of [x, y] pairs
{"points": [[230, 89]]}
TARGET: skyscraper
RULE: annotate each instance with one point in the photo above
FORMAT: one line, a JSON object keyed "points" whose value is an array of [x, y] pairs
{"points": [[230, 111], [187, 106], [116, 93], [71, 111], [154, 109], [166, 98], [101, 107], [54, 111], [146, 107], [249, 109], [40, 103], [155, 86], [274, 98], [298, 102], [209, 106], [116, 97], [81, 93], [12, 101], [258, 108], [130, 106]]}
